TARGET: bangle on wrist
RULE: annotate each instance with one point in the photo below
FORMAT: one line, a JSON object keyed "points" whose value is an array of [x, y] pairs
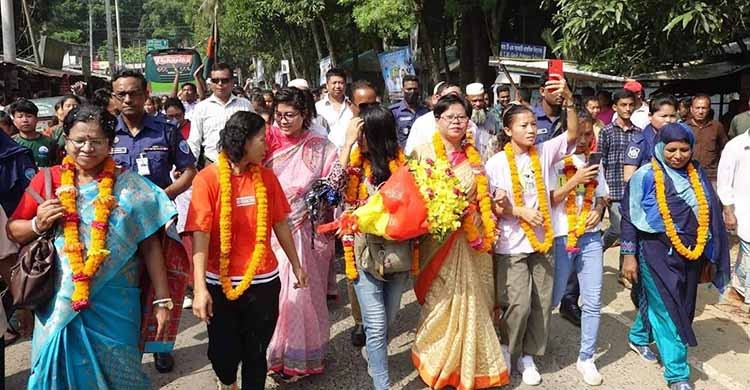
{"points": [[35, 227]]}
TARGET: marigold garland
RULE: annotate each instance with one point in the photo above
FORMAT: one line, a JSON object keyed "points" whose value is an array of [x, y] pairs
{"points": [[577, 218], [541, 192], [225, 228], [97, 252], [357, 193], [703, 212], [484, 242], [445, 199]]}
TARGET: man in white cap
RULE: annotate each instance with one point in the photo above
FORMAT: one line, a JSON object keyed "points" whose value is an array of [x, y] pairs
{"points": [[299, 84], [424, 127], [487, 123]]}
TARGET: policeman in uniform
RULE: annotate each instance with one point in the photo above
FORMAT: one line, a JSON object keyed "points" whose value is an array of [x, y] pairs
{"points": [[409, 109], [151, 146], [662, 111]]}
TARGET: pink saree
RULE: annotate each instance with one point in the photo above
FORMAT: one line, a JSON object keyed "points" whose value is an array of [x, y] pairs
{"points": [[302, 329]]}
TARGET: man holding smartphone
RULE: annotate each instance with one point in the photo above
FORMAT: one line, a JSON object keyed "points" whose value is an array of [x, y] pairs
{"points": [[550, 117]]}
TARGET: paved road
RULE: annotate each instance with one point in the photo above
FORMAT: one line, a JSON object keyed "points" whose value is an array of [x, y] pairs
{"points": [[721, 361]]}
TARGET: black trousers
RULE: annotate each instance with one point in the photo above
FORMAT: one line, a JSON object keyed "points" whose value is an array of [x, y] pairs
{"points": [[240, 331]]}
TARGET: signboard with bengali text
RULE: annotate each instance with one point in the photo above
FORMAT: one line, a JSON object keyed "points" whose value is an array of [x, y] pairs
{"points": [[522, 50]]}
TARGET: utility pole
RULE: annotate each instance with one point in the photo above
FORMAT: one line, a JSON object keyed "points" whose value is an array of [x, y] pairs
{"points": [[110, 41], [91, 36], [31, 32], [119, 37], [9, 31]]}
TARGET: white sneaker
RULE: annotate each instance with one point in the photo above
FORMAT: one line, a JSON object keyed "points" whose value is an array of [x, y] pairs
{"points": [[529, 371], [187, 303], [506, 356], [591, 375]]}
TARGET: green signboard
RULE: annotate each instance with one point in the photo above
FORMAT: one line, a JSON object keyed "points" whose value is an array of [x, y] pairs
{"points": [[156, 44], [161, 65]]}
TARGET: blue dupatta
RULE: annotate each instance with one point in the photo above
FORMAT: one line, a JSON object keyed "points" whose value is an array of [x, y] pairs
{"points": [[98, 347], [643, 211]]}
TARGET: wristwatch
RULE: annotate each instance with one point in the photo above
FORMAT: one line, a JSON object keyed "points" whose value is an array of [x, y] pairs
{"points": [[165, 303]]}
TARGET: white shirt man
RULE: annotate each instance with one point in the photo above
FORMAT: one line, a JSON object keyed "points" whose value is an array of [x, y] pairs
{"points": [[208, 119], [734, 192], [337, 120]]}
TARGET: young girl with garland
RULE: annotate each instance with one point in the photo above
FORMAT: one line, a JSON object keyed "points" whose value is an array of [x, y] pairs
{"points": [[673, 237], [523, 258], [235, 205], [379, 268], [578, 195]]}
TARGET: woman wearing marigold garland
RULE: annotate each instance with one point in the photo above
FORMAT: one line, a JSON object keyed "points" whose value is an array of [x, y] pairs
{"points": [[672, 233], [235, 205], [300, 158], [577, 206], [523, 261], [382, 267], [86, 337], [455, 273]]}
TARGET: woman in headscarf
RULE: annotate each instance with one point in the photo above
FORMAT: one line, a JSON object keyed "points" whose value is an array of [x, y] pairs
{"points": [[673, 238]]}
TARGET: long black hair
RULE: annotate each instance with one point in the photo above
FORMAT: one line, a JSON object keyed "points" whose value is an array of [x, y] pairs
{"points": [[380, 132]]}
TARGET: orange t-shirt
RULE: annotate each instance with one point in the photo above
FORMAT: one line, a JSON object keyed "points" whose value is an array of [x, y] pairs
{"points": [[203, 216]]}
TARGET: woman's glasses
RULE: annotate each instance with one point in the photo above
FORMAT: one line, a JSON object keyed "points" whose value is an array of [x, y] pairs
{"points": [[96, 143], [289, 116], [458, 118]]}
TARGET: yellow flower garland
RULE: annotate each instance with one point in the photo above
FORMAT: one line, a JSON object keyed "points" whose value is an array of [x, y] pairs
{"points": [[576, 223], [97, 252], [360, 173], [487, 240], [703, 212], [225, 228], [440, 188], [541, 193]]}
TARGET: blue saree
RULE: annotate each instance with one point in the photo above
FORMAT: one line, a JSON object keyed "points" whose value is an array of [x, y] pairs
{"points": [[98, 347]]}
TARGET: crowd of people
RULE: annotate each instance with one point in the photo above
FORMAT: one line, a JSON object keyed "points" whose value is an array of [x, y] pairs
{"points": [[248, 183]]}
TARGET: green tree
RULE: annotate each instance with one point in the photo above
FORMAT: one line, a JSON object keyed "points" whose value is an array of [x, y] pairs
{"points": [[642, 35]]}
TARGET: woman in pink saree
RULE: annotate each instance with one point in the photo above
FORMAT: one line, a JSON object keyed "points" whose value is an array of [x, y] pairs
{"points": [[300, 158]]}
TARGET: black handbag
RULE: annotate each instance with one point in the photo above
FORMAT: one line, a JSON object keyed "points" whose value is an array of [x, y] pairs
{"points": [[32, 277]]}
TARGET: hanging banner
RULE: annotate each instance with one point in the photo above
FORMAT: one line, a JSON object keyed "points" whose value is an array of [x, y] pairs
{"points": [[325, 66], [161, 64], [394, 65]]}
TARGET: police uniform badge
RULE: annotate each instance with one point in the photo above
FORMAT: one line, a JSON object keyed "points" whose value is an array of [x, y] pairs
{"points": [[633, 152]]}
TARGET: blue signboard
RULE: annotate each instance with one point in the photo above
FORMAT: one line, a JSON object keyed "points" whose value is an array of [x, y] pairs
{"points": [[522, 50]]}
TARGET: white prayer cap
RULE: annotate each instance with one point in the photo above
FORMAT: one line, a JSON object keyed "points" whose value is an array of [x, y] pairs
{"points": [[435, 90], [474, 89], [299, 84]]}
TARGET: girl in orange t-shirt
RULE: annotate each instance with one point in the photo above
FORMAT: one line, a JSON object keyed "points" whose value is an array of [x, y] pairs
{"points": [[235, 204]]}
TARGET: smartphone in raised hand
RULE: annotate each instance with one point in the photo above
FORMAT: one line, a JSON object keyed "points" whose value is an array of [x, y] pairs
{"points": [[555, 69], [595, 158]]}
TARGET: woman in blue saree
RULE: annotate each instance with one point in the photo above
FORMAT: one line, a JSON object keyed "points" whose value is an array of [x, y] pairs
{"points": [[96, 347], [668, 275]]}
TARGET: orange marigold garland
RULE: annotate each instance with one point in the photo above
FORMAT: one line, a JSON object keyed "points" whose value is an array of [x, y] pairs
{"points": [[97, 251], [703, 212], [484, 242], [577, 218], [357, 193], [541, 192], [225, 228]]}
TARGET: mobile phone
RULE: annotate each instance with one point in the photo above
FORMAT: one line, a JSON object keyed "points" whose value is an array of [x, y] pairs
{"points": [[595, 158], [555, 69]]}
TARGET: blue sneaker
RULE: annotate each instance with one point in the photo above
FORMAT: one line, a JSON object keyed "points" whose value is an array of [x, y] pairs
{"points": [[681, 386], [644, 352]]}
